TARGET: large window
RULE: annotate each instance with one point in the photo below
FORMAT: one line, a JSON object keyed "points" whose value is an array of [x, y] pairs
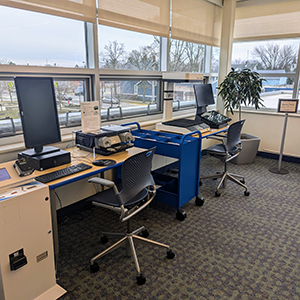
{"points": [[127, 50], [29, 38], [186, 56], [275, 61], [69, 94], [125, 98]]}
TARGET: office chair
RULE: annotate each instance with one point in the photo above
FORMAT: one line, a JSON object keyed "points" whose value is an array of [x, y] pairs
{"points": [[230, 148], [135, 193]]}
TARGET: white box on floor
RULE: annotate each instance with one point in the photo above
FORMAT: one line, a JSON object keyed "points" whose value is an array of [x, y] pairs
{"points": [[27, 269]]}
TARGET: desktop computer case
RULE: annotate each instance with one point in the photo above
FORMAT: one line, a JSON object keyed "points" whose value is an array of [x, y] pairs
{"points": [[47, 161], [25, 224]]}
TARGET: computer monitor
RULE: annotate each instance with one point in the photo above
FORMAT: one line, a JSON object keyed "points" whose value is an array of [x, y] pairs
{"points": [[204, 96], [38, 112]]}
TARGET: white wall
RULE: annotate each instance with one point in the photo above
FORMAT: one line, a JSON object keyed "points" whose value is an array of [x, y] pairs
{"points": [[269, 127]]}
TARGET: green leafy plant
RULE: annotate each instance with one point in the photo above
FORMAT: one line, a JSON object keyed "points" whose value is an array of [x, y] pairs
{"points": [[241, 87]]}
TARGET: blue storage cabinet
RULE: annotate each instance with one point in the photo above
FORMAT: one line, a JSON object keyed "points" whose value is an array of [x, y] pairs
{"points": [[174, 191]]}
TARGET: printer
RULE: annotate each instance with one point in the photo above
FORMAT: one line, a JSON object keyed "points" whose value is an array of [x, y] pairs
{"points": [[109, 140]]}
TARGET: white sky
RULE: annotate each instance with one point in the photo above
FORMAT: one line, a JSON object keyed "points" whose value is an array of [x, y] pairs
{"points": [[28, 37]]}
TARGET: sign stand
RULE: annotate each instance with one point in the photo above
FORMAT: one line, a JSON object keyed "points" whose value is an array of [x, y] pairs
{"points": [[284, 106]]}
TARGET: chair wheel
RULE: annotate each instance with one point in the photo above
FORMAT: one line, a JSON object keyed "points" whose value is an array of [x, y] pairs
{"points": [[94, 268], [104, 239], [217, 194], [145, 233], [242, 181], [199, 201], [246, 193], [180, 215], [141, 279], [170, 254]]}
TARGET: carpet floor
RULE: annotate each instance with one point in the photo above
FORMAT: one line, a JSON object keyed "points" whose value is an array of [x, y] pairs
{"points": [[232, 247]]}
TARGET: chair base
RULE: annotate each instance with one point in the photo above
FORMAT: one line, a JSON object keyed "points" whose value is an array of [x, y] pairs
{"points": [[224, 176], [127, 240]]}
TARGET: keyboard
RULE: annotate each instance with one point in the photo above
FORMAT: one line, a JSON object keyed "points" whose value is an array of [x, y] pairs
{"points": [[63, 173]]}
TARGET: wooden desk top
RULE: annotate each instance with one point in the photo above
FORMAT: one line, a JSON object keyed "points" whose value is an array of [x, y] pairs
{"points": [[77, 156]]}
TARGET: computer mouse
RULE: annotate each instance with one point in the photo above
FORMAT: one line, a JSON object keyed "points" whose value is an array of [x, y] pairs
{"points": [[98, 163]]}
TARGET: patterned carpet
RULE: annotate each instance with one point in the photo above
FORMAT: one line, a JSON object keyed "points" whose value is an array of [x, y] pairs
{"points": [[233, 247]]}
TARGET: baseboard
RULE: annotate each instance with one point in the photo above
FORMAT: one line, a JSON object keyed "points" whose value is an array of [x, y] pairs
{"points": [[276, 156]]}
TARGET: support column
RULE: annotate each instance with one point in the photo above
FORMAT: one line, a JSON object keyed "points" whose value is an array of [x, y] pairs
{"points": [[226, 45]]}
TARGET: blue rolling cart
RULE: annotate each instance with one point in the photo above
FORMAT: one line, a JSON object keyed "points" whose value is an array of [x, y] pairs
{"points": [[178, 182]]}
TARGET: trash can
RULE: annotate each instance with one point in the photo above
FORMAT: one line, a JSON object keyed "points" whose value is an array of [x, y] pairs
{"points": [[250, 147]]}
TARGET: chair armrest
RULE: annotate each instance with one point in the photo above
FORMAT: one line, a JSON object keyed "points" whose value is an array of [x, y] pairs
{"points": [[102, 181]]}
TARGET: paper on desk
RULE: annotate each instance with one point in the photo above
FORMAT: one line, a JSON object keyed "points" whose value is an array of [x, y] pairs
{"points": [[90, 116]]}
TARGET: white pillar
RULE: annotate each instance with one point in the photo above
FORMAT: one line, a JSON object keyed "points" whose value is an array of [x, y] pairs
{"points": [[226, 45]]}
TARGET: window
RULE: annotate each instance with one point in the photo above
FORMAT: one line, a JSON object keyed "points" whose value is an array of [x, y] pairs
{"points": [[184, 96], [186, 56], [36, 39], [127, 50], [275, 61], [125, 98], [69, 94]]}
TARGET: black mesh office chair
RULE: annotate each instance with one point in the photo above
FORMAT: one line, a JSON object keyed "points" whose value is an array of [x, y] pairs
{"points": [[230, 147], [135, 194]]}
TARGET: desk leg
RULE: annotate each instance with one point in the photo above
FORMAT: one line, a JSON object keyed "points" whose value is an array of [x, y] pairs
{"points": [[54, 222]]}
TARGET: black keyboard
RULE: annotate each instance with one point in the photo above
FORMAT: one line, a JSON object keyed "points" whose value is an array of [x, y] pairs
{"points": [[63, 173]]}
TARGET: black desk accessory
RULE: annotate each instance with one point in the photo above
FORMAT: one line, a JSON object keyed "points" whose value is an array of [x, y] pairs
{"points": [[214, 119], [104, 162], [22, 167]]}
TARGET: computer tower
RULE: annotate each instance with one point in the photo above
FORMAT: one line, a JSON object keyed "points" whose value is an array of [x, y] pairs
{"points": [[48, 160], [27, 269]]}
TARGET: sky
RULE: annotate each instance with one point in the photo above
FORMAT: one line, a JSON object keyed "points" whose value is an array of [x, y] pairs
{"points": [[49, 39]]}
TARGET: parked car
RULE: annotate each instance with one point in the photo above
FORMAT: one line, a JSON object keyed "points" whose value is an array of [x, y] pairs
{"points": [[110, 100], [66, 97]]}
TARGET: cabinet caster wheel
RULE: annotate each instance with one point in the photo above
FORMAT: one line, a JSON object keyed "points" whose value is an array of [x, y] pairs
{"points": [[200, 183], [217, 194], [94, 268], [180, 215], [141, 279], [145, 233], [242, 181], [104, 239], [170, 254], [199, 201], [246, 193]]}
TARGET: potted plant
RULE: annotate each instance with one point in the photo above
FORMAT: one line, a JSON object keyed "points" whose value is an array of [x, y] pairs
{"points": [[238, 88]]}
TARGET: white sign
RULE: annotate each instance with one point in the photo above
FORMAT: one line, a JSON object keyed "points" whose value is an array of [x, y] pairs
{"points": [[90, 116]]}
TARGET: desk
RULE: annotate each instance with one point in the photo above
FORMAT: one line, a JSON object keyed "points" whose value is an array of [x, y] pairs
{"points": [[77, 157]]}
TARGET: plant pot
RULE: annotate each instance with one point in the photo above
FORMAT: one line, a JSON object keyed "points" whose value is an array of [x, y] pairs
{"points": [[250, 146]]}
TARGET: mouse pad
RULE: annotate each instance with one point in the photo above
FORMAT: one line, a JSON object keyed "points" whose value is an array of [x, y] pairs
{"points": [[104, 162]]}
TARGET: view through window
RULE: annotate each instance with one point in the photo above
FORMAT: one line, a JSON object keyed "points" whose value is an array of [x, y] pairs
{"points": [[275, 61]]}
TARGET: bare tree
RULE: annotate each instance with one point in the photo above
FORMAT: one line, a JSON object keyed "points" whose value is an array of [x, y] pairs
{"points": [[195, 56], [274, 57], [61, 88], [142, 59], [113, 56], [177, 56]]}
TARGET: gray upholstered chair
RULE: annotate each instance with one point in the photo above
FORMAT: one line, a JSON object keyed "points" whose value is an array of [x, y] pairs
{"points": [[230, 147], [134, 194]]}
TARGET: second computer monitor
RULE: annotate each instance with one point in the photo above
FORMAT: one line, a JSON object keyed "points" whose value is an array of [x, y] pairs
{"points": [[204, 97]]}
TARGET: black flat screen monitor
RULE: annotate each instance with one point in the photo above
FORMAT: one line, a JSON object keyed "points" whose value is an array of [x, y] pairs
{"points": [[204, 96], [38, 112]]}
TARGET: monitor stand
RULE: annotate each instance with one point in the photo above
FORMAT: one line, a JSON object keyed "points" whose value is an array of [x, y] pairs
{"points": [[40, 151]]}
